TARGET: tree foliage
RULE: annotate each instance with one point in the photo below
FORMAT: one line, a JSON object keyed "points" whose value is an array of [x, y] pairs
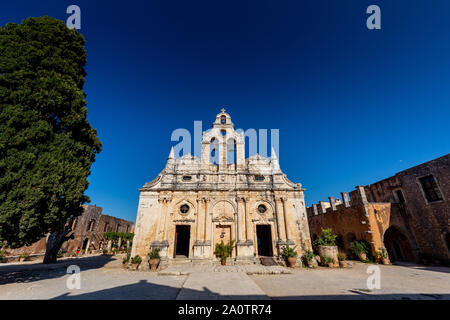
{"points": [[47, 145], [113, 236]]}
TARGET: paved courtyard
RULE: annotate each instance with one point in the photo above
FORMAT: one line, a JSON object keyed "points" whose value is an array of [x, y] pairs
{"points": [[102, 277]]}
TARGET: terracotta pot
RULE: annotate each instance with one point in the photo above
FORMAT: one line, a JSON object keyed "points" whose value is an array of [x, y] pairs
{"points": [[343, 264], [223, 262], [134, 266], [330, 265], [154, 264], [362, 257], [385, 261], [310, 264], [292, 261]]}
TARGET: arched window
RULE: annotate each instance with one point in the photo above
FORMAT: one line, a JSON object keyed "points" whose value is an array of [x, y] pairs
{"points": [[214, 151], [231, 151], [91, 225], [223, 119]]}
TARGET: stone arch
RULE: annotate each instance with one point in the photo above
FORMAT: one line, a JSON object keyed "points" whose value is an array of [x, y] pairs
{"points": [[398, 244], [270, 206], [223, 209]]}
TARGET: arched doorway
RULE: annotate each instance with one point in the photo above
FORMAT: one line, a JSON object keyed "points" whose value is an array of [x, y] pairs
{"points": [[397, 245], [85, 243]]}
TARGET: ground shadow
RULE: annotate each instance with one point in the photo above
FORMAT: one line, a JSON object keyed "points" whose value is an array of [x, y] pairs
{"points": [[144, 290], [24, 273]]}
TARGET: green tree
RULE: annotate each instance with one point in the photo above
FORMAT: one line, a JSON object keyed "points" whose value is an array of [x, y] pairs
{"points": [[47, 145]]}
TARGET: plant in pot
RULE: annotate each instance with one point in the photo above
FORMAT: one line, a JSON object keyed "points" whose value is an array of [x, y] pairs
{"points": [[328, 261], [326, 245], [384, 256], [223, 251], [126, 259], [154, 259], [359, 248], [2, 256], [308, 256], [24, 257], [290, 255], [135, 262], [342, 257]]}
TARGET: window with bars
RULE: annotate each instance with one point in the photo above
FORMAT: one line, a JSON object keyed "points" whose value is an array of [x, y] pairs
{"points": [[430, 189]]}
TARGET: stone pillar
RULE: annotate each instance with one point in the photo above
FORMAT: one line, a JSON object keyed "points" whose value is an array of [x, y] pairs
{"points": [[119, 243], [223, 154], [160, 216], [207, 222], [198, 231], [247, 220], [322, 207], [87, 247], [362, 194], [166, 222], [109, 245], [332, 203], [316, 212], [278, 220], [285, 215], [238, 223], [345, 199]]}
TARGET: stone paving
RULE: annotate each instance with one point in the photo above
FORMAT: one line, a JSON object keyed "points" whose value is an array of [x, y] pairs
{"points": [[104, 278]]}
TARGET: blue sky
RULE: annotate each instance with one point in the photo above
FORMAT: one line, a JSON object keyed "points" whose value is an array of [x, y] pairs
{"points": [[353, 106]]}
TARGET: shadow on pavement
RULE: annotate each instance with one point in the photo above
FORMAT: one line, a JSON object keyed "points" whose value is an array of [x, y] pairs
{"points": [[38, 271], [144, 290]]}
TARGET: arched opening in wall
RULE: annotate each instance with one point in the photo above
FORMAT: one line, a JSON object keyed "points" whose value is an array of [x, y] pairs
{"points": [[340, 242], [397, 245], [350, 238], [231, 151], [223, 119], [91, 225], [214, 151], [85, 243]]}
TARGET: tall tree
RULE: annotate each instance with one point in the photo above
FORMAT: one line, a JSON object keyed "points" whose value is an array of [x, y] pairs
{"points": [[47, 145]]}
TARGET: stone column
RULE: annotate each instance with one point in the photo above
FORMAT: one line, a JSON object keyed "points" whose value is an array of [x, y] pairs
{"points": [[238, 222], [285, 214], [161, 210], [166, 221], [207, 221], [197, 235], [278, 220], [247, 218]]}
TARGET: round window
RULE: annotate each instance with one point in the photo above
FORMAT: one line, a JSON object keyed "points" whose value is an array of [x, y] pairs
{"points": [[262, 208], [184, 208]]}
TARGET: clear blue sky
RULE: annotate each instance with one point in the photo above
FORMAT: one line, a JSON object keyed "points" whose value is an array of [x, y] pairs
{"points": [[353, 106]]}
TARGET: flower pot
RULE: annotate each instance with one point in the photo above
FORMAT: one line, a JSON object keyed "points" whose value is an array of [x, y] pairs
{"points": [[343, 264], [310, 264], [154, 264], [134, 266], [385, 261], [362, 256], [328, 252], [330, 265], [292, 261], [223, 262], [22, 259]]}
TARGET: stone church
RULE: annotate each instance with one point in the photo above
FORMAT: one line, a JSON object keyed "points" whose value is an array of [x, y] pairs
{"points": [[193, 204]]}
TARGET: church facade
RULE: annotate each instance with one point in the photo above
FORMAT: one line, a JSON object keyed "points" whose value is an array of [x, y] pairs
{"points": [[193, 204]]}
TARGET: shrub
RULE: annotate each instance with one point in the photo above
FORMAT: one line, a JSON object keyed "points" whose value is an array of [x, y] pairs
{"points": [[383, 253], [126, 259], [358, 247], [59, 254], [308, 255], [223, 251], [154, 254], [136, 260], [289, 252], [105, 252], [2, 256], [327, 238], [327, 260], [24, 255], [342, 256]]}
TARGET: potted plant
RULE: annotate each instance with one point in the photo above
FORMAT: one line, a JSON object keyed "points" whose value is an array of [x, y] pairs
{"points": [[342, 257], [359, 249], [309, 258], [2, 256], [383, 254], [326, 245], [154, 258], [125, 259], [328, 261], [24, 257], [223, 251], [135, 262], [290, 255]]}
